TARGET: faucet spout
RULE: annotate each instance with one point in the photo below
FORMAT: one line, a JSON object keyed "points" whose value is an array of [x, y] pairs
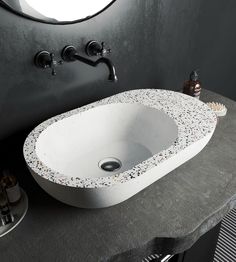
{"points": [[112, 72], [69, 54]]}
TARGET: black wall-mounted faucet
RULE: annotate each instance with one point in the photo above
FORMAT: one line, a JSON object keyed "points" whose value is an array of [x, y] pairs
{"points": [[70, 54]]}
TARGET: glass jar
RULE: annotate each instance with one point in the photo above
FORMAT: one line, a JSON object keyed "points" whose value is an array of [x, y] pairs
{"points": [[6, 216]]}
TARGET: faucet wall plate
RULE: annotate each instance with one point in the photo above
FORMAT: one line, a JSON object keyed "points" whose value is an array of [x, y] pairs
{"points": [[68, 53], [93, 48], [44, 60]]}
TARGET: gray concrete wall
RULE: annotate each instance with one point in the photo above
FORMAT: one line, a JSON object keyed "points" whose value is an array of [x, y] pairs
{"points": [[155, 43]]}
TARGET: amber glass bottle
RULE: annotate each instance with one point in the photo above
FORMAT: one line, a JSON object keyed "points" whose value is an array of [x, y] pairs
{"points": [[192, 86]]}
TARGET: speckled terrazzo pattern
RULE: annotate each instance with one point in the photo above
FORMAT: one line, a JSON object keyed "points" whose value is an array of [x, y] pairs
{"points": [[194, 120]]}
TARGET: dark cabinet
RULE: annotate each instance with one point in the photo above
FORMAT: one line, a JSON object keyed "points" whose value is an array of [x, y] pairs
{"points": [[203, 250]]}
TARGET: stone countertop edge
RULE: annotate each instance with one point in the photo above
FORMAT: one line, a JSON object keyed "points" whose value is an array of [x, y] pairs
{"points": [[172, 245]]}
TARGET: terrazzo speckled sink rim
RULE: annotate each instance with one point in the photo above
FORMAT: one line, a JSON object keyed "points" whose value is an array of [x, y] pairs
{"points": [[195, 120]]}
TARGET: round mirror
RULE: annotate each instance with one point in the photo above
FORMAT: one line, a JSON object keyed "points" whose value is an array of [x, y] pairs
{"points": [[57, 12]]}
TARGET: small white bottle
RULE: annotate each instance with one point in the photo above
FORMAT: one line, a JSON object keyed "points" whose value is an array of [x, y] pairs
{"points": [[11, 187]]}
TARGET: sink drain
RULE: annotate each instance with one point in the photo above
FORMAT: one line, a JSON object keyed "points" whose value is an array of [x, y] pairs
{"points": [[110, 164]]}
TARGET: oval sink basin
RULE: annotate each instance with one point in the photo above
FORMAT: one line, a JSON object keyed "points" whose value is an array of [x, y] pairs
{"points": [[129, 133], [103, 153]]}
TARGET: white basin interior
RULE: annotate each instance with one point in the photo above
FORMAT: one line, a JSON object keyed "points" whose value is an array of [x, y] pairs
{"points": [[131, 133]]}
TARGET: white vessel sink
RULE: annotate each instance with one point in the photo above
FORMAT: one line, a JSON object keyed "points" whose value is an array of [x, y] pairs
{"points": [[103, 153]]}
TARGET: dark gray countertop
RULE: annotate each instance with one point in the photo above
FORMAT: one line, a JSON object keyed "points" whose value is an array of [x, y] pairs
{"points": [[167, 217]]}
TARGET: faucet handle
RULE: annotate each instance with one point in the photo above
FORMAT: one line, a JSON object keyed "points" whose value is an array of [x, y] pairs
{"points": [[104, 50], [53, 64], [93, 48], [44, 60]]}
